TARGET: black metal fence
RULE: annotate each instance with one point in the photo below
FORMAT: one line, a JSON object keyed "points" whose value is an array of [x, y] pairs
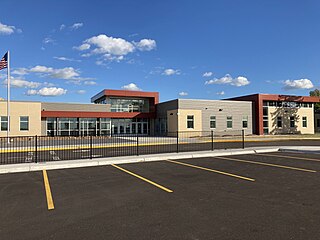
{"points": [[42, 148]]}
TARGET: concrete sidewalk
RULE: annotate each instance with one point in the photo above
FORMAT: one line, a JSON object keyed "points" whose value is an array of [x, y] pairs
{"points": [[29, 167]]}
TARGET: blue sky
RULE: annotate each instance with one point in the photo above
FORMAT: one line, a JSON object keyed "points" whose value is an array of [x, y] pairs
{"points": [[66, 51]]}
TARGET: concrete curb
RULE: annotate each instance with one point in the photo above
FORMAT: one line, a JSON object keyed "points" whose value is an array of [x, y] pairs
{"points": [[30, 167], [301, 149]]}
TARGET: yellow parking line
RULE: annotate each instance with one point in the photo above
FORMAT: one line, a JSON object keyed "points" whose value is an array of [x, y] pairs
{"points": [[300, 158], [142, 178], [212, 170], [48, 190], [267, 164]]}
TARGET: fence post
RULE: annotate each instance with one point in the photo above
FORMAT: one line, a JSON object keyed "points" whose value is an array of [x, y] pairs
{"points": [[137, 145], [212, 147], [177, 141], [243, 138], [90, 146], [36, 149]]}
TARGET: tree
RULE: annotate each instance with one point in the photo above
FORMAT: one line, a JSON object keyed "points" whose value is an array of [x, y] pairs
{"points": [[315, 93]]}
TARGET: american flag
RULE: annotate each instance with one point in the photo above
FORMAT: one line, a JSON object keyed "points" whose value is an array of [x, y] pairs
{"points": [[4, 62]]}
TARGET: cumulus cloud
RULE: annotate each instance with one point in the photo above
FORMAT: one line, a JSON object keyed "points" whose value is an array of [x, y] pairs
{"points": [[227, 79], [170, 71], [113, 49], [207, 74], [6, 29], [298, 84], [183, 94], [221, 93], [20, 71], [21, 83], [131, 87], [146, 44], [76, 26], [47, 92]]}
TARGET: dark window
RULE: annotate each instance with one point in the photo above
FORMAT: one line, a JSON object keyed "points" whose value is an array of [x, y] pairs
{"points": [[265, 111], [304, 122], [279, 122], [318, 123], [229, 121], [4, 123], [190, 121], [245, 122], [212, 121], [292, 122], [24, 123]]}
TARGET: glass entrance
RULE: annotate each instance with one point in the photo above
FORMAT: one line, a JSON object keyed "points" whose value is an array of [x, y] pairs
{"points": [[130, 126], [88, 127]]}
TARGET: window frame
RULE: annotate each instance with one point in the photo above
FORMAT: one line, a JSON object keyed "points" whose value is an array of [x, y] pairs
{"points": [[3, 121], [281, 122], [304, 121], [24, 121], [191, 121], [229, 119], [292, 120], [213, 119], [245, 120]]}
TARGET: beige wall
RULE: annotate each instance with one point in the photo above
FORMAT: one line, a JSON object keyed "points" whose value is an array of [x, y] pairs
{"points": [[17, 109], [285, 113]]}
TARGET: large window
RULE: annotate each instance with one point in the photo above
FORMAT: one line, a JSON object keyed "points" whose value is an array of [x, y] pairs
{"points": [[229, 121], [292, 125], [279, 122], [190, 121], [51, 127], [68, 127], [304, 122], [212, 121], [4, 123], [129, 105], [24, 123], [105, 126], [245, 122]]}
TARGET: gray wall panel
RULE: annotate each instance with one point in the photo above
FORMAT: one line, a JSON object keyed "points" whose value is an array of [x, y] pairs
{"points": [[77, 107]]}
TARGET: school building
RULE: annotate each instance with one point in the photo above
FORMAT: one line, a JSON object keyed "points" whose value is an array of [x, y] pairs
{"points": [[116, 112]]}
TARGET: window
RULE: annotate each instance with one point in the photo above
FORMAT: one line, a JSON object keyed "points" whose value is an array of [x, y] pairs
{"points": [[245, 122], [212, 121], [24, 123], [190, 121], [292, 122], [4, 123], [279, 122], [304, 122], [229, 121]]}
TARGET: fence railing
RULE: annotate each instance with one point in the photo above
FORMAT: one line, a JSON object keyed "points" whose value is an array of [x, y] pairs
{"points": [[43, 148]]}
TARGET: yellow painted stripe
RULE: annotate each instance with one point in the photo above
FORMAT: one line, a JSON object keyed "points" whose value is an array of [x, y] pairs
{"points": [[143, 179], [212, 170], [299, 158], [268, 164], [48, 190]]}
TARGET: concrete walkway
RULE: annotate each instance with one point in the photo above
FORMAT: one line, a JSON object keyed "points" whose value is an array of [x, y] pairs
{"points": [[29, 167]]}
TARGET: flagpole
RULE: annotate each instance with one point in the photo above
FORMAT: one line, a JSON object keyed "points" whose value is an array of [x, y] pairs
{"points": [[8, 95]]}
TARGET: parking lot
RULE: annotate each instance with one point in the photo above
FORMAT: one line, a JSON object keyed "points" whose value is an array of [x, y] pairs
{"points": [[260, 196]]}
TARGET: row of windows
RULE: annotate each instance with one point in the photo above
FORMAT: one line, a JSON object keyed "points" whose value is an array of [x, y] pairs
{"points": [[24, 123], [287, 104], [213, 122], [292, 122]]}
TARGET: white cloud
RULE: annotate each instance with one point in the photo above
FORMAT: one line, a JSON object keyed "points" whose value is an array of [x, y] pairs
{"points": [[48, 40], [47, 92], [67, 73], [76, 26], [298, 84], [221, 93], [21, 83], [113, 49], [81, 91], [62, 26], [89, 83], [170, 71], [227, 79], [6, 29], [131, 87], [20, 71], [207, 74], [183, 94], [67, 59], [146, 44]]}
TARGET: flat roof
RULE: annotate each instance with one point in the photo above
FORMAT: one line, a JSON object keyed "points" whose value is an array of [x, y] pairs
{"points": [[276, 97]]}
